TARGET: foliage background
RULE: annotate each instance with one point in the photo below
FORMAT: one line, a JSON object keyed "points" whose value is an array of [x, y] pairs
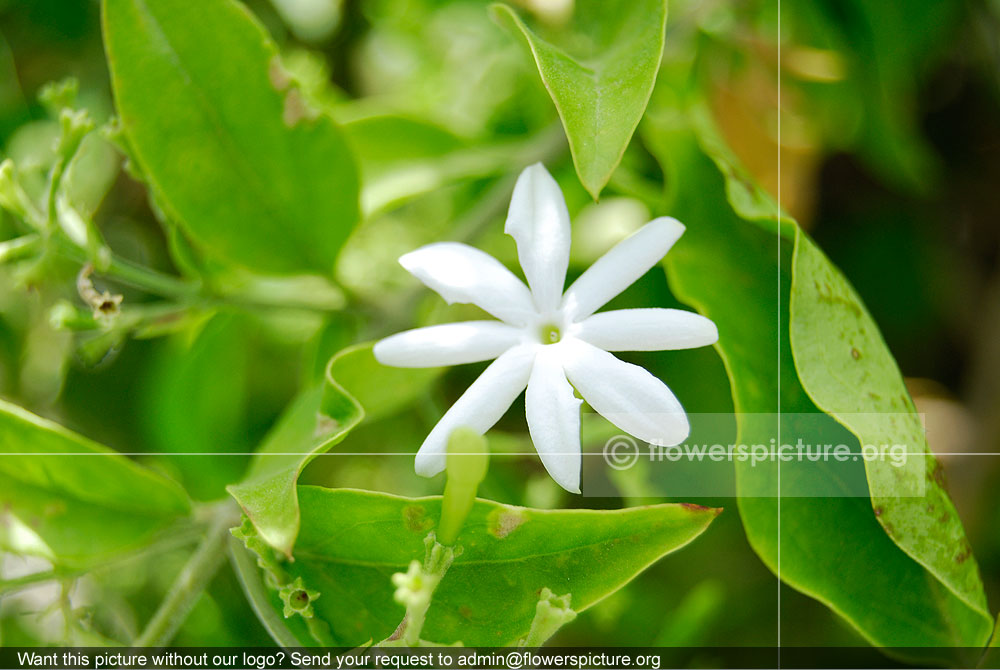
{"points": [[890, 146]]}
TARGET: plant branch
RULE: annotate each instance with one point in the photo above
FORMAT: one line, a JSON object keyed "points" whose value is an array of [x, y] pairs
{"points": [[15, 584], [176, 539], [191, 582]]}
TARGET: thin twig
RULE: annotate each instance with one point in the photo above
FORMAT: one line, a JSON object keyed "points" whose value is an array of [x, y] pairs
{"points": [[190, 583]]}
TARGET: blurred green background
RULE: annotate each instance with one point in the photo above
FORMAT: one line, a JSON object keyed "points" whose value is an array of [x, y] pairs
{"points": [[890, 158]]}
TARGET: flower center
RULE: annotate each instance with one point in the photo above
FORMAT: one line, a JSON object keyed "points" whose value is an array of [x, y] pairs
{"points": [[549, 333]]}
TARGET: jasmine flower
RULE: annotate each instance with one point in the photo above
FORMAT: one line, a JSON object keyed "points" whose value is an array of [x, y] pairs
{"points": [[549, 341]]}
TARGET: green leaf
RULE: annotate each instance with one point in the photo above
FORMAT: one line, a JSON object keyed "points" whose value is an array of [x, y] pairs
{"points": [[195, 402], [265, 601], [402, 158], [847, 370], [991, 658], [397, 157], [600, 75], [381, 390], [81, 507], [355, 387], [387, 143], [317, 420], [13, 107], [738, 273], [845, 367], [228, 142], [352, 541]]}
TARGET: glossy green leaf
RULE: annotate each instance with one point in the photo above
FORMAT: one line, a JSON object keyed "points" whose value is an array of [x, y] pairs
{"points": [[847, 370], [317, 420], [229, 144], [600, 74], [74, 502], [355, 387], [845, 367], [738, 273], [352, 541]]}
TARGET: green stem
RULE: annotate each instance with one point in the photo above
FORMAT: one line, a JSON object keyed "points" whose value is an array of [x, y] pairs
{"points": [[55, 178], [66, 609], [154, 282], [17, 583], [436, 564], [415, 590], [131, 274], [176, 539], [190, 583]]}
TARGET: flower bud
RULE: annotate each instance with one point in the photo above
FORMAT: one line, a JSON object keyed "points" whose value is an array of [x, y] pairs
{"points": [[468, 459]]}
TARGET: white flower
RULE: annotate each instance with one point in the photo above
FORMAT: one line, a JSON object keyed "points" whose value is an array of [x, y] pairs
{"points": [[547, 340]]}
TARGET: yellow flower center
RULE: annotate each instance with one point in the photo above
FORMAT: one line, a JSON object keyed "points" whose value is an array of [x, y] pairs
{"points": [[550, 334]]}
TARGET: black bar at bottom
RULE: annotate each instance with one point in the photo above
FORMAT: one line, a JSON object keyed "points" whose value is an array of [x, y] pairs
{"points": [[463, 658]]}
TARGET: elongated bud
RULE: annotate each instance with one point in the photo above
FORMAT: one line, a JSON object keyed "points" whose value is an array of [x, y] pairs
{"points": [[468, 459]]}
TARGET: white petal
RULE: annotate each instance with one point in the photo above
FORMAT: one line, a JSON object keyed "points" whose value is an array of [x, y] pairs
{"points": [[539, 222], [460, 273], [625, 394], [447, 344], [618, 269], [647, 330], [480, 406], [553, 413]]}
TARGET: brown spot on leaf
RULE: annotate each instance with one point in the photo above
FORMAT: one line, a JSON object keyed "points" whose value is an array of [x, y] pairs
{"points": [[296, 109], [855, 354], [879, 510], [54, 508], [465, 611], [325, 425], [938, 474], [504, 521], [416, 519], [278, 75]]}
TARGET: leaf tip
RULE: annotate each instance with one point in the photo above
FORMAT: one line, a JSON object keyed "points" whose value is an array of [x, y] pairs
{"points": [[701, 509]]}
